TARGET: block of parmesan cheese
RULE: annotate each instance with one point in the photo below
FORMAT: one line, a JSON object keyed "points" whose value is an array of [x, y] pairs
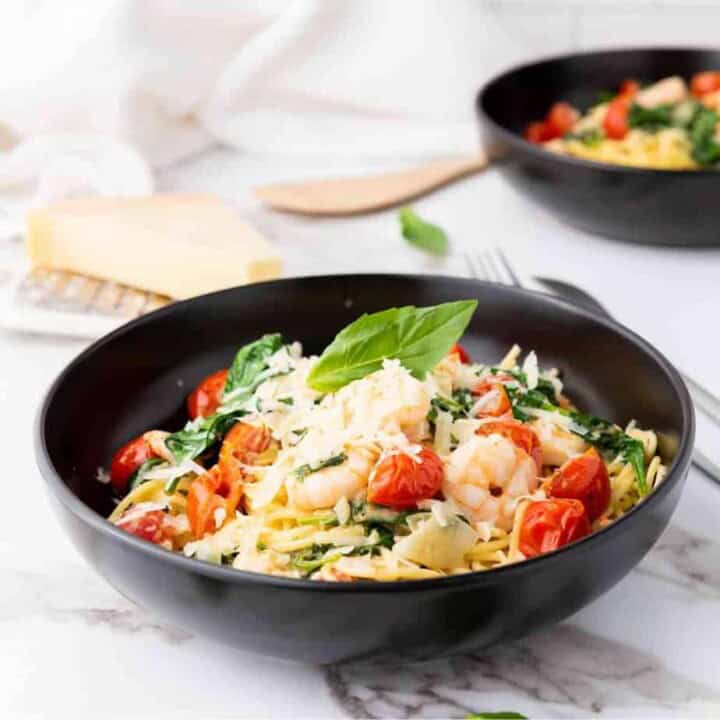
{"points": [[176, 245]]}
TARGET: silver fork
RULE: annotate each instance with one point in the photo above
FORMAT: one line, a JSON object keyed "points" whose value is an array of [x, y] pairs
{"points": [[493, 266]]}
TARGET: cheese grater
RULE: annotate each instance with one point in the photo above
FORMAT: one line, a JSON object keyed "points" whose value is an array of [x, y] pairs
{"points": [[65, 303]]}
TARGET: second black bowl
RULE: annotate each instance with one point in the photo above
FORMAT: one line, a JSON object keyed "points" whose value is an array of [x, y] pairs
{"points": [[668, 207], [137, 377]]}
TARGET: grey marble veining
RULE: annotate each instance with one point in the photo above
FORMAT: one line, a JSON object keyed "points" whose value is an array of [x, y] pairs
{"points": [[561, 672], [564, 671]]}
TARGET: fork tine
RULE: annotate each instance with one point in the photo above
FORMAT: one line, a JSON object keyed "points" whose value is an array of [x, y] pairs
{"points": [[514, 279], [474, 267], [495, 275]]}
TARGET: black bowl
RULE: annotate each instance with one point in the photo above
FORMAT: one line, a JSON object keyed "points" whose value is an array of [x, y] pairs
{"points": [[669, 207], [137, 377]]}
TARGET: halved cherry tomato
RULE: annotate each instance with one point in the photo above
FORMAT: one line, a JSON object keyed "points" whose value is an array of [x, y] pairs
{"points": [[127, 460], [547, 525], [400, 480], [205, 399], [523, 436], [560, 119], [498, 403], [584, 478], [615, 122], [242, 446], [208, 493], [629, 88], [705, 82], [538, 132], [461, 352], [156, 526]]}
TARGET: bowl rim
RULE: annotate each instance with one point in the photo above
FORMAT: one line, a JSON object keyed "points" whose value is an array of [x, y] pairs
{"points": [[540, 152], [99, 523]]}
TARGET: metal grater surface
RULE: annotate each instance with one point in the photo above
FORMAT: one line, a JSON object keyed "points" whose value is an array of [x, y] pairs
{"points": [[65, 303]]}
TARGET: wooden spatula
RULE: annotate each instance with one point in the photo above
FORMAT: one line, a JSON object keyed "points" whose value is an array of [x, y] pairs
{"points": [[350, 196]]}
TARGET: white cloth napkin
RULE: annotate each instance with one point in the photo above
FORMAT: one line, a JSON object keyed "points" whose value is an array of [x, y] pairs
{"points": [[91, 91]]}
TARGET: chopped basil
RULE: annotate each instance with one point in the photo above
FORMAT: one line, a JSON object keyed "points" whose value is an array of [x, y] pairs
{"points": [[591, 137], [304, 470], [286, 400]]}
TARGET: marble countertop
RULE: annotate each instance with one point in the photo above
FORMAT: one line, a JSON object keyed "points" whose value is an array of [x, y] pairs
{"points": [[72, 646]]}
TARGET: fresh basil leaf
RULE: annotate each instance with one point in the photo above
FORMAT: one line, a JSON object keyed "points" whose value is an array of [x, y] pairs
{"points": [[421, 233], [418, 337], [250, 361], [138, 477], [507, 715], [200, 435]]}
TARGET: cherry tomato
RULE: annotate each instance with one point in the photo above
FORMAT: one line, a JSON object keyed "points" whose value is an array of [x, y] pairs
{"points": [[629, 88], [547, 525], [584, 478], [499, 403], [561, 118], [705, 82], [127, 460], [208, 493], [461, 352], [205, 399], [400, 480], [242, 446], [615, 123], [156, 526], [538, 132], [523, 436]]}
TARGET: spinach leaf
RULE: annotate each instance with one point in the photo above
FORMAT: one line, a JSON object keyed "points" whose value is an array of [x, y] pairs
{"points": [[248, 365], [458, 406], [310, 559], [304, 470], [418, 337], [422, 234], [602, 434], [200, 435], [138, 477], [650, 119], [705, 149]]}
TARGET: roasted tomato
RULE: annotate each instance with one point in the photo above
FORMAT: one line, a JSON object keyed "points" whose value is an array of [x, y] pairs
{"points": [[584, 478], [209, 493], [461, 352], [705, 82], [537, 132], [492, 391], [546, 525], [400, 480], [629, 88], [523, 436], [127, 460], [561, 118], [156, 526], [615, 123], [243, 445], [205, 399]]}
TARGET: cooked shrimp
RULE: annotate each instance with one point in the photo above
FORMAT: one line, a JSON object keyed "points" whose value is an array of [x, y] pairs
{"points": [[558, 444], [664, 92], [485, 477], [323, 489]]}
